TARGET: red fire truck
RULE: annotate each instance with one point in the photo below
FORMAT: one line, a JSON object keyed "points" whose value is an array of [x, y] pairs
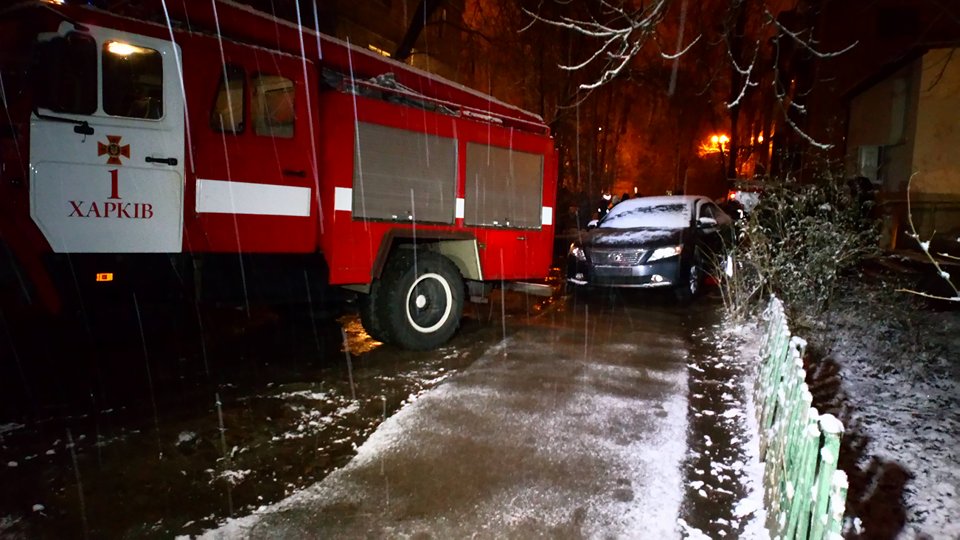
{"points": [[214, 141]]}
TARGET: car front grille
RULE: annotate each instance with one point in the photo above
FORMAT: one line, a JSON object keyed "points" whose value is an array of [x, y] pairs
{"points": [[617, 257]]}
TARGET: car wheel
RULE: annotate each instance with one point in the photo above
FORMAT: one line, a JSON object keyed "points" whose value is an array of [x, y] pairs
{"points": [[423, 300], [689, 285]]}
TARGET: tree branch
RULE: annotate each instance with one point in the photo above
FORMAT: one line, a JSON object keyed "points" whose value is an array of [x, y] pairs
{"points": [[925, 246]]}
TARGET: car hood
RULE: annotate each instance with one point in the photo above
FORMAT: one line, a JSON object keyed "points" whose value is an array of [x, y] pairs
{"points": [[631, 237]]}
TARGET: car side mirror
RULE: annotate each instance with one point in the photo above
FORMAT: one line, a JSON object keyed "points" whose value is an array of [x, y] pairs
{"points": [[592, 224], [706, 222]]}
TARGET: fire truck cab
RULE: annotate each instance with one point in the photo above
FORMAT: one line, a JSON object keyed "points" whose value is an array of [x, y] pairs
{"points": [[194, 142]]}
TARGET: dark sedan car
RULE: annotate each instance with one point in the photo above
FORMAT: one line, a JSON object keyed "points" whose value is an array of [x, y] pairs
{"points": [[652, 242]]}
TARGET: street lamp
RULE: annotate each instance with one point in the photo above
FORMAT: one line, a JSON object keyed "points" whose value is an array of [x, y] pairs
{"points": [[715, 144], [719, 141]]}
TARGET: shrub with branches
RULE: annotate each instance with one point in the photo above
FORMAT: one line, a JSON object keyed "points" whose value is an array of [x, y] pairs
{"points": [[796, 243]]}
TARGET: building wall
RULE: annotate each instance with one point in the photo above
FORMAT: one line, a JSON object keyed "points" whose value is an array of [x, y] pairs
{"points": [[883, 31], [935, 190], [936, 158], [885, 115], [914, 117], [378, 25], [382, 24]]}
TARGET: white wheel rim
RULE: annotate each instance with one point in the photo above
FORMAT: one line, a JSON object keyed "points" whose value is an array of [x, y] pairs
{"points": [[447, 297]]}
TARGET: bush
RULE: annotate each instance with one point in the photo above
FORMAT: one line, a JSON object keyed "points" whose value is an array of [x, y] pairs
{"points": [[796, 243]]}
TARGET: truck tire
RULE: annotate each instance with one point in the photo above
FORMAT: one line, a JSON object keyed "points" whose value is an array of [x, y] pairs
{"points": [[370, 310], [422, 300]]}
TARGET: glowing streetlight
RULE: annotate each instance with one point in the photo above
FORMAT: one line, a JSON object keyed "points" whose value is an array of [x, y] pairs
{"points": [[714, 143]]}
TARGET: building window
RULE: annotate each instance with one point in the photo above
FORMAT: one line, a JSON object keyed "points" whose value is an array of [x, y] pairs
{"points": [[379, 51]]}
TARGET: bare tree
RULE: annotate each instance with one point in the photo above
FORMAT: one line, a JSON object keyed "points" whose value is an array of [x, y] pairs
{"points": [[518, 63], [620, 29], [425, 10], [755, 35]]}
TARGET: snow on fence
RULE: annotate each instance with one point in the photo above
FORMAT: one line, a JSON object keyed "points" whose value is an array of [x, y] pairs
{"points": [[804, 492]]}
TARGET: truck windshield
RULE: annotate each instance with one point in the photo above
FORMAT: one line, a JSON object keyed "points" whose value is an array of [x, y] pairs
{"points": [[65, 74], [65, 77], [132, 81]]}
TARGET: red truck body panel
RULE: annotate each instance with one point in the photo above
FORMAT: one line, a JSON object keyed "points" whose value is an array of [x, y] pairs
{"points": [[504, 253], [312, 170]]}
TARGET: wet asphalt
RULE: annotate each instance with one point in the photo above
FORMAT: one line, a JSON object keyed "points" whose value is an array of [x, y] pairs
{"points": [[564, 418]]}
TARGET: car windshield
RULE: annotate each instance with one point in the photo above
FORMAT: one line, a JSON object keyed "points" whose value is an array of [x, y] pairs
{"points": [[640, 214]]}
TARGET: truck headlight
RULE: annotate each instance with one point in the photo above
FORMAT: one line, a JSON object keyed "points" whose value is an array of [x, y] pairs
{"points": [[577, 252], [665, 253]]}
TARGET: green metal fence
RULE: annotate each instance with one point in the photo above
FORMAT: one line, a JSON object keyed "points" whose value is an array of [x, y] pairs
{"points": [[804, 492]]}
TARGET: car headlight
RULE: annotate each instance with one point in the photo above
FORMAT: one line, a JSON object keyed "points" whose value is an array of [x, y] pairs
{"points": [[665, 253], [577, 252]]}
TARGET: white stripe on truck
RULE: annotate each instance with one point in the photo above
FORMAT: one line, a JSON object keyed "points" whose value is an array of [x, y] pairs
{"points": [[222, 197]]}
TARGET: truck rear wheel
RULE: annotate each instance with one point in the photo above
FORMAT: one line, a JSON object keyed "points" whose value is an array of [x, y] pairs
{"points": [[422, 300], [371, 307]]}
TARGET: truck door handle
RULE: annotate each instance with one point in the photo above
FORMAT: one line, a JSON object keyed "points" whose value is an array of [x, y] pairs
{"points": [[298, 174], [168, 161], [83, 129]]}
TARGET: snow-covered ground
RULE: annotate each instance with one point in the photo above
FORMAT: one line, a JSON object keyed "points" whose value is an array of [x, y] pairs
{"points": [[887, 364], [746, 338], [537, 441], [582, 424]]}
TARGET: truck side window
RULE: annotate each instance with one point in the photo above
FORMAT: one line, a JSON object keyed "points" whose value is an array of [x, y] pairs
{"points": [[227, 113], [65, 74], [273, 109], [132, 81]]}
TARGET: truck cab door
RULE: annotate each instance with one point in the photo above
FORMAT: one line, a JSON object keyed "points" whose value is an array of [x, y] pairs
{"points": [[107, 142]]}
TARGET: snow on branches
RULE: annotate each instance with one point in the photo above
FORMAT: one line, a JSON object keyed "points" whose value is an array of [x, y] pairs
{"points": [[754, 34], [621, 30], [925, 247]]}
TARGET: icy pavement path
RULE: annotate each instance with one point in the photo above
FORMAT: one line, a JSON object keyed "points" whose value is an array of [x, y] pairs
{"points": [[543, 436]]}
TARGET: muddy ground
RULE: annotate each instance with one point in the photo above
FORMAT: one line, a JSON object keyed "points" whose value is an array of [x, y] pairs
{"points": [[108, 430], [162, 420]]}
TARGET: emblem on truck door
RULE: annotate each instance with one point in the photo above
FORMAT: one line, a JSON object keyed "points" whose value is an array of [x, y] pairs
{"points": [[113, 149]]}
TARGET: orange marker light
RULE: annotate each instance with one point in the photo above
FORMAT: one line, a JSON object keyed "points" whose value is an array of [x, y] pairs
{"points": [[104, 276]]}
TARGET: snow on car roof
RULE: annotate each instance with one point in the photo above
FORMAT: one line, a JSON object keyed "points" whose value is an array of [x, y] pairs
{"points": [[665, 212]]}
